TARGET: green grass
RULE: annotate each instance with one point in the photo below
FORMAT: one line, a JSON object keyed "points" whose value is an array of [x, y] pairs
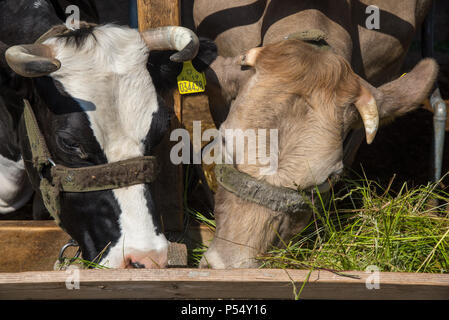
{"points": [[194, 254], [80, 263], [368, 225]]}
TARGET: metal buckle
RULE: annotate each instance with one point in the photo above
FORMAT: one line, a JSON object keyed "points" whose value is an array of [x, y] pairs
{"points": [[51, 162], [71, 243]]}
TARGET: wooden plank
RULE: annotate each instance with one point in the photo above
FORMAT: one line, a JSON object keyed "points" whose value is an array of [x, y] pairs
{"points": [[168, 189], [35, 245], [26, 246], [218, 284], [158, 13], [177, 255]]}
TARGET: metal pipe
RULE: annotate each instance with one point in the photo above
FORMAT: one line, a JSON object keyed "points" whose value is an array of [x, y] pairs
{"points": [[437, 103], [133, 19], [439, 124]]}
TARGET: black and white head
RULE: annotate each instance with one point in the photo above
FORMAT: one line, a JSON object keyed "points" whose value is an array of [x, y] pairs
{"points": [[96, 103]]}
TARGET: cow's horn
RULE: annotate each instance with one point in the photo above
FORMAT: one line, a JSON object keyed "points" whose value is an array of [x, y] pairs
{"points": [[173, 38], [32, 60], [367, 107]]}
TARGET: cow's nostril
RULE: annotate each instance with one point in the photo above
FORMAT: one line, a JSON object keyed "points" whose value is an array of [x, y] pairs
{"points": [[137, 265]]}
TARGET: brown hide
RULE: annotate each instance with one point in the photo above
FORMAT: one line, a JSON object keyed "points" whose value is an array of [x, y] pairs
{"points": [[309, 95], [376, 55]]}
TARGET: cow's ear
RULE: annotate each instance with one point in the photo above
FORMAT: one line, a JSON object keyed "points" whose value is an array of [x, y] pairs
{"points": [[249, 58], [406, 93]]}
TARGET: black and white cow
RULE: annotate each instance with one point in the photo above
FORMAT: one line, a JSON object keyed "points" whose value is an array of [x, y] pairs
{"points": [[96, 95], [22, 21]]}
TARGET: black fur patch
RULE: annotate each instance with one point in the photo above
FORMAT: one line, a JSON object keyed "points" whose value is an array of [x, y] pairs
{"points": [[78, 37], [159, 126], [9, 147]]}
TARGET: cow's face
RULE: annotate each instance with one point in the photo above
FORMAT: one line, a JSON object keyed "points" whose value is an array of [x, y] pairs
{"points": [[312, 98], [100, 106], [308, 96]]}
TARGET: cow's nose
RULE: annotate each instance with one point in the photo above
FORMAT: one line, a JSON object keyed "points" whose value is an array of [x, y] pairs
{"points": [[136, 265], [153, 260]]}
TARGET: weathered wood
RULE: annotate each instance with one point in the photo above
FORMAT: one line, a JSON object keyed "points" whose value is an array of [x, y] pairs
{"points": [[157, 13], [168, 189], [30, 246], [35, 245], [215, 284], [177, 255]]}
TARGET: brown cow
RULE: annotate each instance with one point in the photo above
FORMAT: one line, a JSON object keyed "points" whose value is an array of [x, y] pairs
{"points": [[312, 96], [375, 55]]}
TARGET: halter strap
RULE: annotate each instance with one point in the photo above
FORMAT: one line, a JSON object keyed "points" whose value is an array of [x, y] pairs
{"points": [[84, 179], [246, 187]]}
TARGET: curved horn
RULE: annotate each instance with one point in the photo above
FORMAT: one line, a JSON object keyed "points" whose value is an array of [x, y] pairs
{"points": [[32, 60], [367, 107], [173, 38]]}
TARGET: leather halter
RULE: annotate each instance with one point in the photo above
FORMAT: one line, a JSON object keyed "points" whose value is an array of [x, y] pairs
{"points": [[62, 179], [279, 199]]}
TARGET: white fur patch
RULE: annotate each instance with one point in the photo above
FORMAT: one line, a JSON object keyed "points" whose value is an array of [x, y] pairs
{"points": [[15, 188], [110, 72]]}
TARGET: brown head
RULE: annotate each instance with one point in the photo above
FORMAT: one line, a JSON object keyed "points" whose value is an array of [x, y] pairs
{"points": [[313, 99]]}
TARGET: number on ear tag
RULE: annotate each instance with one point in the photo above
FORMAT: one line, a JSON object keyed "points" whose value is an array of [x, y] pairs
{"points": [[190, 80]]}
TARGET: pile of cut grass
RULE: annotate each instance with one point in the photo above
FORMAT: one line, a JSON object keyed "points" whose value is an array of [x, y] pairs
{"points": [[367, 225]]}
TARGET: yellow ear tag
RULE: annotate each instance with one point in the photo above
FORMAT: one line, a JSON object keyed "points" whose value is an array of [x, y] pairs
{"points": [[190, 80], [403, 75]]}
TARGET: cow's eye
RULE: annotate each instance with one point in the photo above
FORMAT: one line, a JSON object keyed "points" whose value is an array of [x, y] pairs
{"points": [[70, 146]]}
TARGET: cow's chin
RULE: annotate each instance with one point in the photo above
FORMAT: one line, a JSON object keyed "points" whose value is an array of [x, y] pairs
{"points": [[240, 260], [323, 187], [154, 259], [246, 230], [327, 184]]}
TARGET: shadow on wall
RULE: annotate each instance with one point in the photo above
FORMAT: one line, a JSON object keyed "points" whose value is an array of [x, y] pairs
{"points": [[113, 11]]}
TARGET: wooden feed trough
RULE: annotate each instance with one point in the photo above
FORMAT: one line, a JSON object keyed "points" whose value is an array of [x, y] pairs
{"points": [[34, 245], [29, 249]]}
